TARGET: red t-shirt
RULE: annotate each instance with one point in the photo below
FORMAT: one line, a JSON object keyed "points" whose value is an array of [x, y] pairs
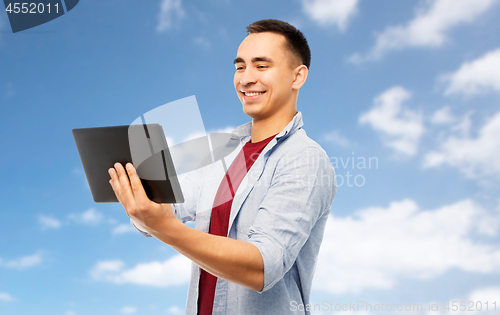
{"points": [[219, 221]]}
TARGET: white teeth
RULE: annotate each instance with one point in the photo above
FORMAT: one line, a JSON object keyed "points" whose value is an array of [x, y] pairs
{"points": [[253, 94]]}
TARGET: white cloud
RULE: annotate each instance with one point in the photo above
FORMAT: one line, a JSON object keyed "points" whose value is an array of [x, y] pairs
{"points": [[475, 77], [443, 116], [102, 268], [89, 217], [336, 138], [129, 310], [330, 12], [174, 310], [400, 127], [464, 125], [475, 157], [483, 302], [22, 262], [48, 222], [376, 247], [123, 228], [171, 12], [429, 28], [227, 129], [5, 297], [174, 271], [490, 294]]}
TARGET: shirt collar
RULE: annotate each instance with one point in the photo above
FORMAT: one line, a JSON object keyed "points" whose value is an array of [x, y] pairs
{"points": [[244, 131]]}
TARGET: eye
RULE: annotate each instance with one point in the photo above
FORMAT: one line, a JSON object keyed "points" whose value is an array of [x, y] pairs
{"points": [[239, 68], [262, 67]]}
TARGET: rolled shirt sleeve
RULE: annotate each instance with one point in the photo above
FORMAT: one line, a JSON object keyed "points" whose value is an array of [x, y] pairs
{"points": [[132, 224], [302, 190]]}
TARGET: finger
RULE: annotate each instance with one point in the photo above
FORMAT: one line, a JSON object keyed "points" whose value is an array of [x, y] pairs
{"points": [[135, 182], [126, 191], [115, 185], [114, 182], [116, 195]]}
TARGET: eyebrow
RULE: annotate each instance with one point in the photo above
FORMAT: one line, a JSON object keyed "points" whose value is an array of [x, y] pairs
{"points": [[255, 59]]}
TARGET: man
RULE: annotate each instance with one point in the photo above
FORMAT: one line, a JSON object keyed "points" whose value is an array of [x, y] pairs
{"points": [[259, 225]]}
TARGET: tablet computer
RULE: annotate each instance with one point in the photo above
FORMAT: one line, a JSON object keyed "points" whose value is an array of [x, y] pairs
{"points": [[145, 146]]}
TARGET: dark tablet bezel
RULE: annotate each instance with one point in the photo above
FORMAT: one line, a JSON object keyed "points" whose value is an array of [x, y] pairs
{"points": [[100, 147]]}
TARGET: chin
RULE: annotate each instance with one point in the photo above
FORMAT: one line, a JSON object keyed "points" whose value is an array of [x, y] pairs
{"points": [[250, 113], [251, 110]]}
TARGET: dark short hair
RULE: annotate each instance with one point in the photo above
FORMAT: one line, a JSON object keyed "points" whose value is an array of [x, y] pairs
{"points": [[295, 40]]}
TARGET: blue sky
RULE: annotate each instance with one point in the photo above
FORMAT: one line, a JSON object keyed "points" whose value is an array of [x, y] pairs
{"points": [[412, 86]]}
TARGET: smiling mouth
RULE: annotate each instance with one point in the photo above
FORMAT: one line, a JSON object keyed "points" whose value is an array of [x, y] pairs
{"points": [[252, 93]]}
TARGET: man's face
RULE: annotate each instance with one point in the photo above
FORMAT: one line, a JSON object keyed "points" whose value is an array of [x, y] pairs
{"points": [[264, 75]]}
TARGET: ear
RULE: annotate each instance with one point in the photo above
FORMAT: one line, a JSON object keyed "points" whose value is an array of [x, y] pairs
{"points": [[300, 77]]}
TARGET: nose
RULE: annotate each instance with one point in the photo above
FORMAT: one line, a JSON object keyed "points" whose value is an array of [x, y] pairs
{"points": [[248, 77]]}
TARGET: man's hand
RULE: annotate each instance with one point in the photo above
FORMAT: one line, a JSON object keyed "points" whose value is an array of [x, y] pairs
{"points": [[236, 261], [147, 215]]}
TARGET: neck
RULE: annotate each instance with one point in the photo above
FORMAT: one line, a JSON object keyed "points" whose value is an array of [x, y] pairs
{"points": [[264, 128]]}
